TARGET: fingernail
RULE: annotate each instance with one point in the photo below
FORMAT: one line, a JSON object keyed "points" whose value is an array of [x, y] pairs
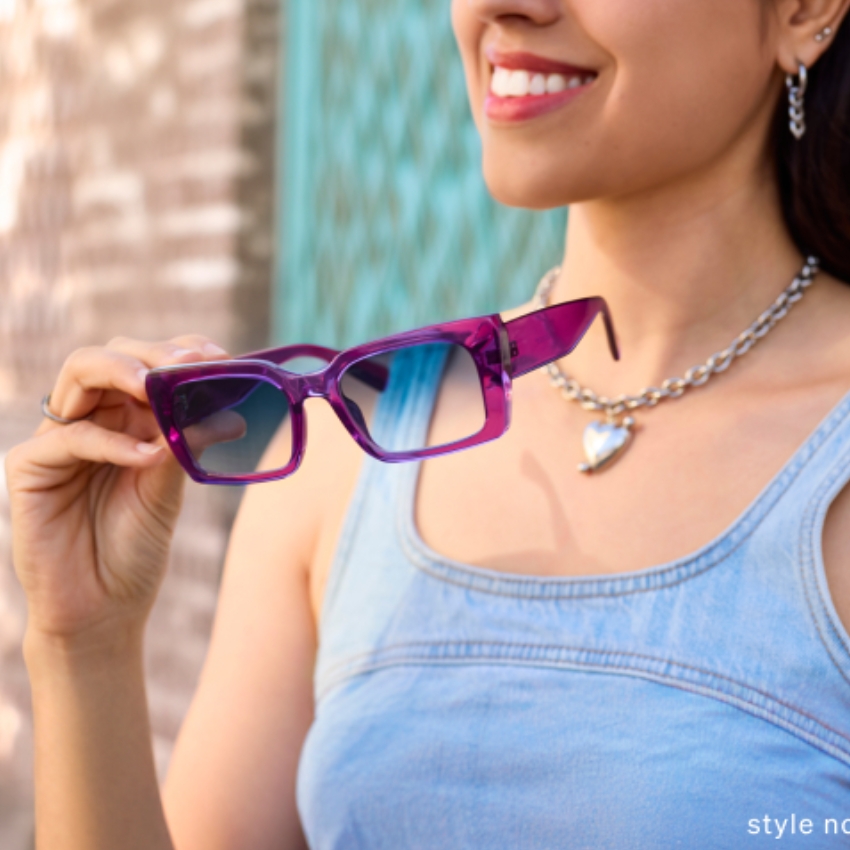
{"points": [[213, 349], [142, 374], [148, 448], [182, 352]]}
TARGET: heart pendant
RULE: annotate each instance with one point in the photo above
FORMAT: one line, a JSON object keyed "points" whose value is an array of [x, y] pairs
{"points": [[604, 442]]}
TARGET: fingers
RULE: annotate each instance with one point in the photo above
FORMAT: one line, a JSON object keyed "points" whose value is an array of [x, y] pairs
{"points": [[45, 457], [182, 349], [90, 374], [221, 427]]}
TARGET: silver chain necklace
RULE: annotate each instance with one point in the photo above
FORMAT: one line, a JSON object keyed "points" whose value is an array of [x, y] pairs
{"points": [[605, 441]]}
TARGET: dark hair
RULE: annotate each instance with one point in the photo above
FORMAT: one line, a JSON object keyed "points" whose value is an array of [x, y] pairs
{"points": [[814, 172]]}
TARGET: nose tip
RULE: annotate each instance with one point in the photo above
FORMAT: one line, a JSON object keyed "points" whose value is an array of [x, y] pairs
{"points": [[506, 11]]}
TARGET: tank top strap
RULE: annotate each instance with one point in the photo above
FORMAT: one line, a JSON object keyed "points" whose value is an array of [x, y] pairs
{"points": [[824, 457], [403, 414], [794, 526], [369, 571], [798, 497], [827, 475]]}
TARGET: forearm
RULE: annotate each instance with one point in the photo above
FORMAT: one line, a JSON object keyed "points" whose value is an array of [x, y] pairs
{"points": [[95, 781]]}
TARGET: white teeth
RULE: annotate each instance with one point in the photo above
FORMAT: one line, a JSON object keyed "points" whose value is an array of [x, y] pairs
{"points": [[507, 83], [518, 83], [499, 83], [555, 83]]}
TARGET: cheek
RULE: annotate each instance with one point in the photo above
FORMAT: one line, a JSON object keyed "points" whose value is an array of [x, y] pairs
{"points": [[687, 85], [464, 23], [688, 58]]}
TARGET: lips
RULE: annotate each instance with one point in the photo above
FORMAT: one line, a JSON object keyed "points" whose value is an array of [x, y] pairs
{"points": [[519, 61], [525, 86]]}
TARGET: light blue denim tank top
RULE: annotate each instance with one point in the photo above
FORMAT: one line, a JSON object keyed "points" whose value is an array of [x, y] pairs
{"points": [[677, 706]]}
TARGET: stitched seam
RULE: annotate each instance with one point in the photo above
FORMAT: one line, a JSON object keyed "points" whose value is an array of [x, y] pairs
{"points": [[508, 655], [562, 591], [464, 575], [755, 708]]}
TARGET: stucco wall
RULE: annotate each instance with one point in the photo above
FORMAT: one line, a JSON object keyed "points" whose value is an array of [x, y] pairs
{"points": [[136, 198]]}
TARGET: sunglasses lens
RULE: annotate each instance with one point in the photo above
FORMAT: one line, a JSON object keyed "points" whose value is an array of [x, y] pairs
{"points": [[228, 424], [459, 413]]}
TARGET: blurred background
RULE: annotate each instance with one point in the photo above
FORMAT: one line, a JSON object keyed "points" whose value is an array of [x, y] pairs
{"points": [[254, 170]]}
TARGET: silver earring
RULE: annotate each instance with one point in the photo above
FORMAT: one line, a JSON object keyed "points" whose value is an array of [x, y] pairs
{"points": [[824, 34], [796, 93]]}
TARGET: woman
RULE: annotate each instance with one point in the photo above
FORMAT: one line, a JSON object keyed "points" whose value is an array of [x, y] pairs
{"points": [[511, 654]]}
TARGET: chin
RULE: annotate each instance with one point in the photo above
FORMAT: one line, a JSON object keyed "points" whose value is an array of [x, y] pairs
{"points": [[536, 188]]}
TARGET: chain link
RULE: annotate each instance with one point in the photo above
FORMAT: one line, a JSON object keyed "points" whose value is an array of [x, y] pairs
{"points": [[696, 376]]}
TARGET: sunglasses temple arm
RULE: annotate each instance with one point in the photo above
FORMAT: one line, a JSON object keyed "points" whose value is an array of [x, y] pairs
{"points": [[610, 333], [372, 374], [546, 335]]}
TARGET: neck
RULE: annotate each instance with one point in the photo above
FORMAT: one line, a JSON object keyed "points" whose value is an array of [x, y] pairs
{"points": [[684, 269]]}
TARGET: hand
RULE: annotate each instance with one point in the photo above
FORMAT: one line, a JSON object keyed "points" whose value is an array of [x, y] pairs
{"points": [[94, 503]]}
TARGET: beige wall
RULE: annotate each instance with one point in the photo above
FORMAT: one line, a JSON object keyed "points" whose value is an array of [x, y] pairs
{"points": [[136, 194]]}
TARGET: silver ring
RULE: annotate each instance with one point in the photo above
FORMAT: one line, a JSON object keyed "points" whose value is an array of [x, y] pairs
{"points": [[45, 409]]}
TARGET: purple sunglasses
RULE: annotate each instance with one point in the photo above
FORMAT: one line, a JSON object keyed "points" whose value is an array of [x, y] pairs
{"points": [[220, 417]]}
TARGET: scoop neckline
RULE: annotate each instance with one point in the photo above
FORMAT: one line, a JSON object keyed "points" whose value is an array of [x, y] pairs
{"points": [[650, 578]]}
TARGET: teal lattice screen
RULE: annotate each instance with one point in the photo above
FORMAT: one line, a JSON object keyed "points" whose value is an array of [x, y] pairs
{"points": [[386, 222]]}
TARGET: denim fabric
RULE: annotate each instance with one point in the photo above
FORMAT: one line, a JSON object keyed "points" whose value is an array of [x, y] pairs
{"points": [[677, 706]]}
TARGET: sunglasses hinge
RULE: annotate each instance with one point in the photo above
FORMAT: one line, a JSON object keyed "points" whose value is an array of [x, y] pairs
{"points": [[508, 350]]}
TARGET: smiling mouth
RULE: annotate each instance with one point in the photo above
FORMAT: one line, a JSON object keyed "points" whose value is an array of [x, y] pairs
{"points": [[508, 83], [524, 85]]}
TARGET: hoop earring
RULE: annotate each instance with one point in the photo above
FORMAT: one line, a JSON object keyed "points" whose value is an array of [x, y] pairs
{"points": [[796, 107]]}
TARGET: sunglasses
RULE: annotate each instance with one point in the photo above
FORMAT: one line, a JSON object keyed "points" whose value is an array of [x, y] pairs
{"points": [[220, 418]]}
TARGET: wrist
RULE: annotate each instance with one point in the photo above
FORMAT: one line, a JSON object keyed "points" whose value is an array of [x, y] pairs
{"points": [[97, 648]]}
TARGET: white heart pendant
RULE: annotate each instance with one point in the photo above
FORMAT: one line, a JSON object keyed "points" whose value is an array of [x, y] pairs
{"points": [[604, 442]]}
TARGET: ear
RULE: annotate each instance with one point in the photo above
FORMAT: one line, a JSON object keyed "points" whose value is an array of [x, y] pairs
{"points": [[799, 21]]}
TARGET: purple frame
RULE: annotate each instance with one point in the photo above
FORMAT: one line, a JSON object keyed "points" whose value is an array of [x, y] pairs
{"points": [[501, 351]]}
